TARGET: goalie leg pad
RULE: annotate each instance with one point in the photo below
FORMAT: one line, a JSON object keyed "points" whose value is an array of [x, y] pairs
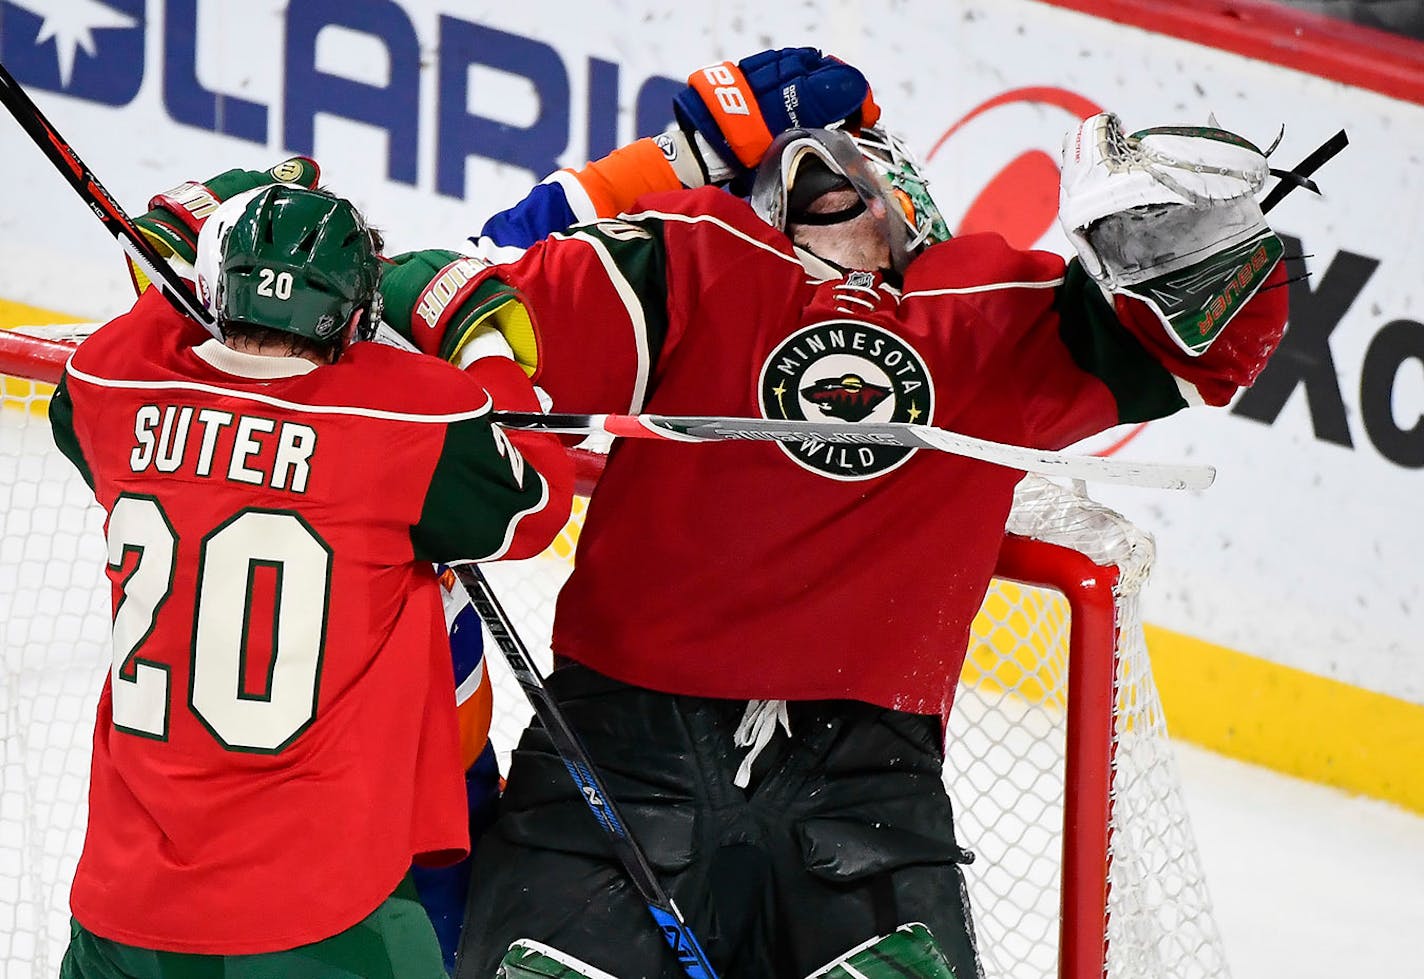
{"points": [[528, 959], [909, 950]]}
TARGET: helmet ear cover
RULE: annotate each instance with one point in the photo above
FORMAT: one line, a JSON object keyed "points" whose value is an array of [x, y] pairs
{"points": [[298, 261]]}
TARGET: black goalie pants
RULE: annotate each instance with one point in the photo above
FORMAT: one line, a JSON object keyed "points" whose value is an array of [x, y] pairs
{"points": [[844, 832]]}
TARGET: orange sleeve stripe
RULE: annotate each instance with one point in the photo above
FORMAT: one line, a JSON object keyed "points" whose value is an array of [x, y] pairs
{"points": [[735, 109], [474, 717], [616, 181]]}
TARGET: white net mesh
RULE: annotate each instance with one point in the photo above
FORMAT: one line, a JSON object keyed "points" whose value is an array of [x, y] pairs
{"points": [[1005, 762]]}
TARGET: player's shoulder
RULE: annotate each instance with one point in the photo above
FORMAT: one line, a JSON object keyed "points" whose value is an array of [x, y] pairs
{"points": [[983, 260], [402, 382], [702, 205], [134, 341], [141, 345]]}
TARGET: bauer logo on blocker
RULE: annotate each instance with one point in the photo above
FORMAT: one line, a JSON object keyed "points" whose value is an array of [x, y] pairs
{"points": [[846, 371]]}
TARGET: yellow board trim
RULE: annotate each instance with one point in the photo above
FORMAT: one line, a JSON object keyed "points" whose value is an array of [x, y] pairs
{"points": [[1290, 720], [19, 314], [17, 391]]}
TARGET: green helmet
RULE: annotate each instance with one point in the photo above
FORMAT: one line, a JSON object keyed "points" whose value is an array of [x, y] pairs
{"points": [[299, 261]]}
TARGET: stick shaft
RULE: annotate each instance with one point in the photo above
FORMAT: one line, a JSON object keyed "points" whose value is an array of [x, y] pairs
{"points": [[576, 759], [100, 202], [720, 428]]}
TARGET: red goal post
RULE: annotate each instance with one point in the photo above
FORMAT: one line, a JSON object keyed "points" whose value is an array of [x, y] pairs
{"points": [[1057, 758]]}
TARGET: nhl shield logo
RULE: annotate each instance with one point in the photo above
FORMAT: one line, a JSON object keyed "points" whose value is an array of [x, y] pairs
{"points": [[846, 370]]}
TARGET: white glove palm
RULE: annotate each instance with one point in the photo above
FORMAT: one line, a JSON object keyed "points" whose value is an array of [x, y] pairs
{"points": [[1169, 215]]}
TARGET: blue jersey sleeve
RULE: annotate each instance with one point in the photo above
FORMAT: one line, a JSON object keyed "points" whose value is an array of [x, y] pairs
{"points": [[545, 210]]}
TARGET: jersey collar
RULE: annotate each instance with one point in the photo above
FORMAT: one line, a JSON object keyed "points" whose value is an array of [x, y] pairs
{"points": [[255, 366]]}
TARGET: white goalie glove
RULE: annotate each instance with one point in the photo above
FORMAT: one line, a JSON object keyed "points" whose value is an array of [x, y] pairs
{"points": [[1169, 216]]}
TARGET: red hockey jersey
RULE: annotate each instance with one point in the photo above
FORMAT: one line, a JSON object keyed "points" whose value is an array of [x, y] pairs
{"points": [[761, 570], [276, 741]]}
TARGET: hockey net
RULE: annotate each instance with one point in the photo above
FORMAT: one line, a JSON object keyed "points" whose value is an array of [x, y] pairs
{"points": [[1057, 722]]}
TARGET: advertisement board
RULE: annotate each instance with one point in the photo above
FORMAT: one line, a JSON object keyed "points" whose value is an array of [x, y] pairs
{"points": [[432, 114]]}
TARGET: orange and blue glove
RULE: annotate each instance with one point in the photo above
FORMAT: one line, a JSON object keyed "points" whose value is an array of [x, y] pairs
{"points": [[737, 108]]}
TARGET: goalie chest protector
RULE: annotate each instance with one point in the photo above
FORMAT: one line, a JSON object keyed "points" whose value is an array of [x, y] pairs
{"points": [[761, 570]]}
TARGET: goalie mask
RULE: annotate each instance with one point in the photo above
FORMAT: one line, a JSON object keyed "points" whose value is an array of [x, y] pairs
{"points": [[893, 160], [802, 165]]}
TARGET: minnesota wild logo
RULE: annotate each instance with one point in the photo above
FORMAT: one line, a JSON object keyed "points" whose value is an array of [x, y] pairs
{"points": [[846, 370]]}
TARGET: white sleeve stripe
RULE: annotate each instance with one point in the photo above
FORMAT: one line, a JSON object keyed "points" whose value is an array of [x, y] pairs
{"points": [[575, 195], [314, 409], [512, 528], [1189, 391], [470, 683], [986, 287], [716, 222], [636, 318]]}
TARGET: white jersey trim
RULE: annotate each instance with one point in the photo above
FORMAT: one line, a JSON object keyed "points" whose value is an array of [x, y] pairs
{"points": [[718, 222], [512, 528], [1191, 394], [575, 196], [471, 683], [400, 416], [986, 287]]}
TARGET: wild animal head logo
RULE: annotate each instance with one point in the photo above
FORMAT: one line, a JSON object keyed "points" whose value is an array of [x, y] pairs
{"points": [[849, 397]]}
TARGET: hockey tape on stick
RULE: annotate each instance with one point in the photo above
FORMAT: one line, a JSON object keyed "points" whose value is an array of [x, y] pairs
{"points": [[104, 207], [1045, 462], [1299, 176], [660, 904]]}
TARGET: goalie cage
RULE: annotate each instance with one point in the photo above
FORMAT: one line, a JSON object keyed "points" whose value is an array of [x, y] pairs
{"points": [[1057, 692]]}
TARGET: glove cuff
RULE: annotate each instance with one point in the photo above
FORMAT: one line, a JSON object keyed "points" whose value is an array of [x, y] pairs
{"points": [[437, 298], [176, 216]]}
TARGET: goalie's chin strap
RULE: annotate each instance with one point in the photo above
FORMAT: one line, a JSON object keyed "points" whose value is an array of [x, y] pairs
{"points": [[1299, 176]]}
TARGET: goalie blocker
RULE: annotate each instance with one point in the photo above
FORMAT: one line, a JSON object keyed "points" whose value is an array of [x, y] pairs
{"points": [[1168, 216]]}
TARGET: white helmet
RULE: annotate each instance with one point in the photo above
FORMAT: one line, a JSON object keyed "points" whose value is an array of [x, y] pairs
{"points": [[210, 241]]}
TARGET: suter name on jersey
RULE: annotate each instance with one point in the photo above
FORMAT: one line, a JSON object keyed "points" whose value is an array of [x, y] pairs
{"points": [[173, 437]]}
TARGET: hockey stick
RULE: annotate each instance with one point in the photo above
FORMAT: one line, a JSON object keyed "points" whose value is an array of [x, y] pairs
{"points": [[1157, 475], [1300, 175], [105, 208], [660, 904]]}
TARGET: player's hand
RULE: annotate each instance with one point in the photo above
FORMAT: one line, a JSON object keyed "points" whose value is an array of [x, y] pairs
{"points": [[1169, 215], [436, 300], [176, 216], [733, 110]]}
